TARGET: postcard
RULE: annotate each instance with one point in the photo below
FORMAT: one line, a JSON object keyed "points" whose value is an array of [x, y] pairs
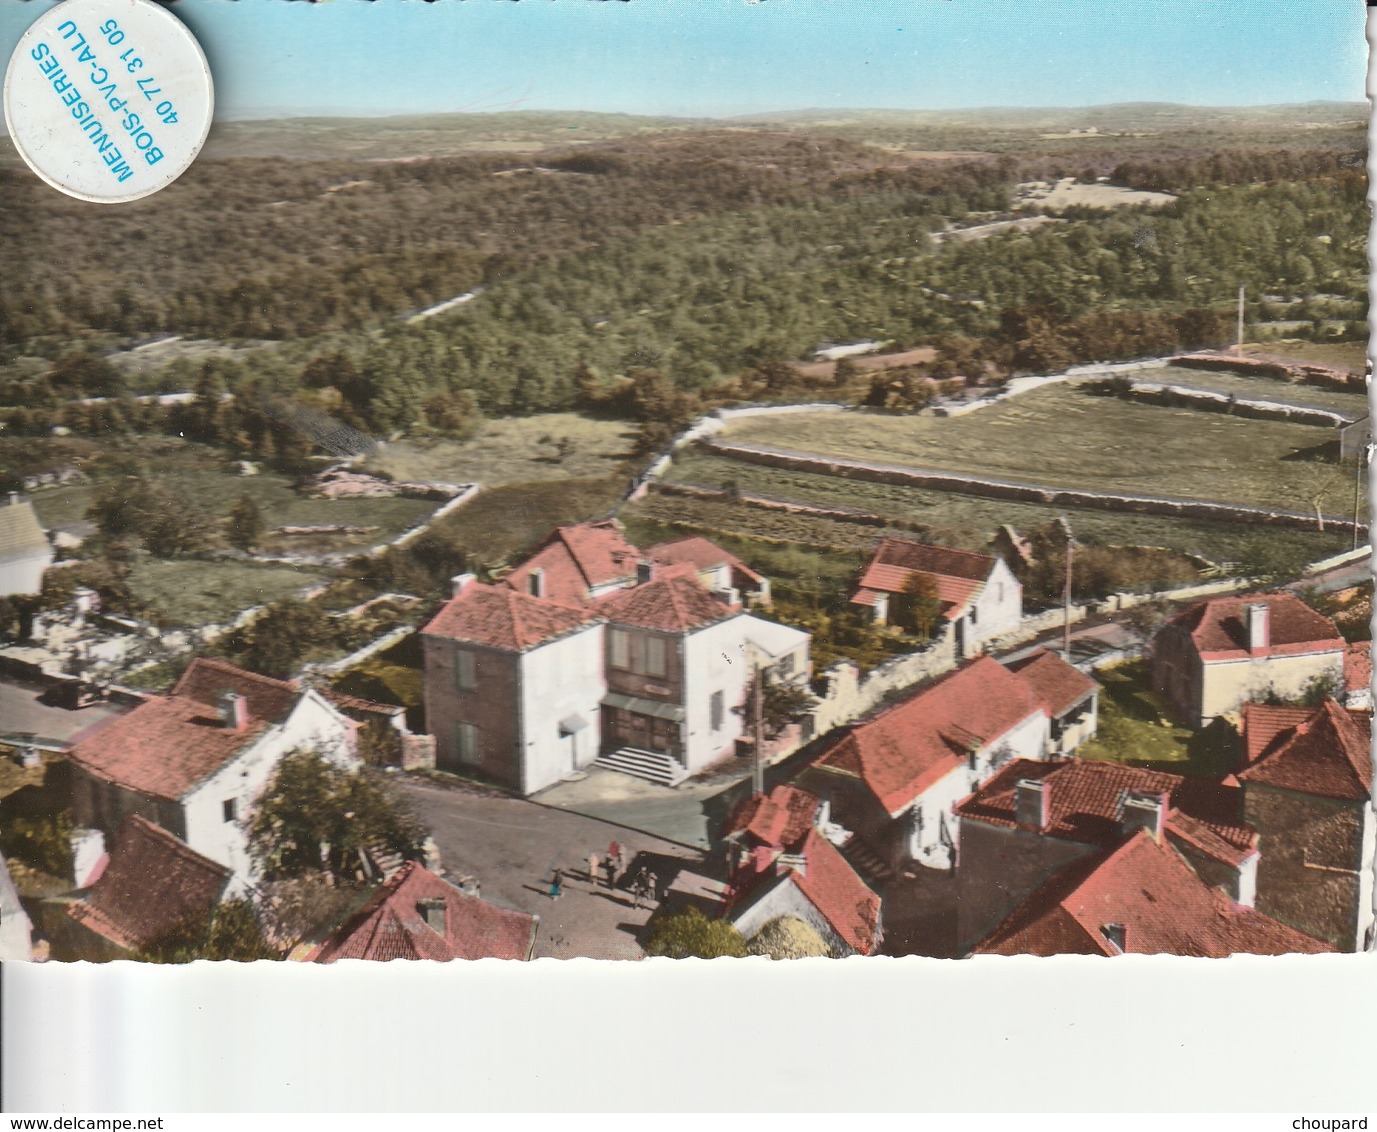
{"points": [[603, 481]]}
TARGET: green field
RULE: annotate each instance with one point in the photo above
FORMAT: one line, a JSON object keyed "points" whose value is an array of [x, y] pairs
{"points": [[210, 480], [514, 450], [190, 592], [1248, 387], [1062, 436], [959, 520], [1346, 355]]}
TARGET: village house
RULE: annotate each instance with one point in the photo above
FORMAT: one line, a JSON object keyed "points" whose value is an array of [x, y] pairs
{"points": [[16, 929], [1142, 898], [153, 885], [1034, 819], [719, 571], [978, 595], [577, 564], [644, 673], [25, 552], [513, 685], [781, 864], [195, 761], [1307, 789], [418, 915], [1215, 656], [893, 779]]}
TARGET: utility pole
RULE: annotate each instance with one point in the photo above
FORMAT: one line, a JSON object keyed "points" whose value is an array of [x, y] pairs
{"points": [[1066, 592], [1358, 492], [758, 726], [1238, 347]]}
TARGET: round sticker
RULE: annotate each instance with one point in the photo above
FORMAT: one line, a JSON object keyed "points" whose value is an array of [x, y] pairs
{"points": [[108, 100]]}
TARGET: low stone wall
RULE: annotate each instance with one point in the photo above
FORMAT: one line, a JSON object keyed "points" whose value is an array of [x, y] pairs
{"points": [[849, 695], [1028, 493], [1253, 409]]}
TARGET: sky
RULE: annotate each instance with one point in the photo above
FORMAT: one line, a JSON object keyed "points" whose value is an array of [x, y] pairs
{"points": [[721, 58]]}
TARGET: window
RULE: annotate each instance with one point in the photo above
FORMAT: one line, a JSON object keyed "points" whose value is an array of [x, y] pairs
{"points": [[465, 670], [717, 710], [785, 668], [230, 808], [621, 648], [535, 582], [656, 661], [466, 742]]}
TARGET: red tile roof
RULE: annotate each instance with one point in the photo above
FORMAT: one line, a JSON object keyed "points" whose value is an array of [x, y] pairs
{"points": [[779, 818], [575, 559], [1057, 685], [268, 699], [1261, 723], [1219, 627], [700, 553], [1148, 889], [170, 744], [392, 925], [959, 574], [1328, 754], [1358, 666], [502, 618], [831, 885], [906, 748], [668, 603], [1083, 799], [356, 706], [153, 884]]}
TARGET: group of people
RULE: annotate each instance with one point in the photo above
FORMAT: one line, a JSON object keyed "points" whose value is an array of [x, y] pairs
{"points": [[645, 888]]}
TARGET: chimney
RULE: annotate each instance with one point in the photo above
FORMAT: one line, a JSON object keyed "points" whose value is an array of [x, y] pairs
{"points": [[645, 571], [1031, 802], [1142, 809], [432, 910], [1116, 935], [234, 711], [1259, 627], [535, 582], [460, 582]]}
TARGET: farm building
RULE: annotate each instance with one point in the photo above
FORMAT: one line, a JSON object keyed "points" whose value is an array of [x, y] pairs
{"points": [[977, 594], [1215, 656]]}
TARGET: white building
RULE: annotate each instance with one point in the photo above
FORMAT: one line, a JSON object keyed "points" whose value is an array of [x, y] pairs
{"points": [[976, 593], [195, 761], [25, 552]]}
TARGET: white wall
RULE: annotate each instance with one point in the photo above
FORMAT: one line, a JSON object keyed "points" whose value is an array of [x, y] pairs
{"points": [[783, 898], [999, 605], [313, 724], [715, 659], [24, 574], [559, 679], [1025, 740]]}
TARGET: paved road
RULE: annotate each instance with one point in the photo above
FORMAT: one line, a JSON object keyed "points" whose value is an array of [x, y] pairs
{"points": [[511, 846], [22, 710]]}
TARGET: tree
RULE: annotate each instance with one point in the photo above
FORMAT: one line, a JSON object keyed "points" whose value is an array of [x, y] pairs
{"points": [[915, 607], [230, 933], [318, 817], [782, 703], [277, 640], [788, 937], [690, 934], [245, 523]]}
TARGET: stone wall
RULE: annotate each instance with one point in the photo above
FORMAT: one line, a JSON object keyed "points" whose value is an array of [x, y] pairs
{"points": [[1027, 493]]}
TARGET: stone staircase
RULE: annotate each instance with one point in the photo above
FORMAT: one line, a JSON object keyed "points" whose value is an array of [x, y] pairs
{"points": [[867, 862], [653, 766]]}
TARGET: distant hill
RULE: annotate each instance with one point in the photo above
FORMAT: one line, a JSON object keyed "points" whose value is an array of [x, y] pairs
{"points": [[992, 129], [428, 135]]}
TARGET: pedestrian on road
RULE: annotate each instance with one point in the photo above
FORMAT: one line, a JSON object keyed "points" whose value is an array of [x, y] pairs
{"points": [[638, 890], [611, 865], [593, 869], [557, 885], [614, 853], [653, 888]]}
